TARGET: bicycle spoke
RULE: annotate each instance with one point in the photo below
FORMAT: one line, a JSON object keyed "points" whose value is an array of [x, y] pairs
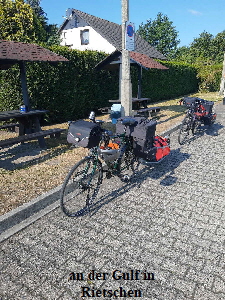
{"points": [[81, 187], [128, 165], [183, 135]]}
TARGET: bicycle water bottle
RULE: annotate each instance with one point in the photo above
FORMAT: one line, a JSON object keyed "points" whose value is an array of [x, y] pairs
{"points": [[92, 116]]}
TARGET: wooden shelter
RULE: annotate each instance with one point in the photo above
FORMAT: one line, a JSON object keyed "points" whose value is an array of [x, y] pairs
{"points": [[18, 52], [114, 61]]}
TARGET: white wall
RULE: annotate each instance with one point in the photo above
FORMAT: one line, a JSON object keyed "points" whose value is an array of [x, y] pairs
{"points": [[71, 37]]}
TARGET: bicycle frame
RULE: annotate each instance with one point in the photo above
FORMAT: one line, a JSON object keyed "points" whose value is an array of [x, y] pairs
{"points": [[113, 166]]}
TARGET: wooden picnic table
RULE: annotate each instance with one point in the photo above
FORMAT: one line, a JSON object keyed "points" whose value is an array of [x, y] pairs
{"points": [[29, 126], [28, 121], [137, 103]]}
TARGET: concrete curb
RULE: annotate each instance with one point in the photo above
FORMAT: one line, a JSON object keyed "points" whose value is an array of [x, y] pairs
{"points": [[171, 130], [26, 214]]}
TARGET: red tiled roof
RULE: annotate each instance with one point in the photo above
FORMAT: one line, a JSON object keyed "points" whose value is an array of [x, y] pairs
{"points": [[112, 61], [12, 52], [146, 61]]}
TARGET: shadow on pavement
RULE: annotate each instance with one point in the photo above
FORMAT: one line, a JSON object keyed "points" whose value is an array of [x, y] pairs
{"points": [[23, 156], [212, 130], [164, 170]]}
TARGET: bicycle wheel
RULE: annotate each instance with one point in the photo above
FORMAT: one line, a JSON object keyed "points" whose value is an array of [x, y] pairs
{"points": [[195, 126], [184, 130], [128, 165], [81, 187]]}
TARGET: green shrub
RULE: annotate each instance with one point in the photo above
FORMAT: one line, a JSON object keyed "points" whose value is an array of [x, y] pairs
{"points": [[209, 77]]}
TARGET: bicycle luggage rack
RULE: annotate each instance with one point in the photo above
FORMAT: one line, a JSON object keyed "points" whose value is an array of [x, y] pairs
{"points": [[148, 162]]}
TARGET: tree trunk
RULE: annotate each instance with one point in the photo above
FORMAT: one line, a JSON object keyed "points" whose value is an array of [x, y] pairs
{"points": [[222, 83]]}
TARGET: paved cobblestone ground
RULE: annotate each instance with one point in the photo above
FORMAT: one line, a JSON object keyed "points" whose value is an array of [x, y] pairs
{"points": [[170, 222]]}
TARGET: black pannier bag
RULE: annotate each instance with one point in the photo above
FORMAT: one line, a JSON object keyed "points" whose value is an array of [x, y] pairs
{"points": [[189, 101], [193, 101], [210, 117], [84, 134], [208, 105], [129, 129], [143, 132], [143, 139]]}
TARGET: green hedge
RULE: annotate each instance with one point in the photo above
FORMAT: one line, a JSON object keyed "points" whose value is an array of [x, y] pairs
{"points": [[71, 90], [179, 79]]}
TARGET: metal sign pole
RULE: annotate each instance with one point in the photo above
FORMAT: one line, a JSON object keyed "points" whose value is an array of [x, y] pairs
{"points": [[125, 86]]}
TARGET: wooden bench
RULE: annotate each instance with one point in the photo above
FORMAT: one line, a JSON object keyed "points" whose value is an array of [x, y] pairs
{"points": [[148, 111], [55, 132], [11, 126]]}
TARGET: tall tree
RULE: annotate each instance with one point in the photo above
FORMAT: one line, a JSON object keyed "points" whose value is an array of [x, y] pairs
{"points": [[201, 48], [161, 34], [218, 45], [16, 21], [45, 32], [38, 10], [206, 49]]}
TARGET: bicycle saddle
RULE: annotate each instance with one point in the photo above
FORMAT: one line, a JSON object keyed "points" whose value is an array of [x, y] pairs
{"points": [[129, 121]]}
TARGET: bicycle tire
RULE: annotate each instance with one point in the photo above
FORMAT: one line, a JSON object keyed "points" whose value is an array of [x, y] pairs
{"points": [[81, 186], [184, 130], [128, 165], [196, 124]]}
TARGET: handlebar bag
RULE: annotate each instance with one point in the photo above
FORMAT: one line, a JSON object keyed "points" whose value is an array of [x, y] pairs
{"points": [[84, 134]]}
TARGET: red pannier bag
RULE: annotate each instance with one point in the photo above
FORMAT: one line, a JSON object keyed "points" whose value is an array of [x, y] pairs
{"points": [[162, 147], [201, 111]]}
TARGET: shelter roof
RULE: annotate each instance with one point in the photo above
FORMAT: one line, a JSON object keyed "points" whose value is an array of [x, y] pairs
{"points": [[112, 32], [113, 60], [12, 52]]}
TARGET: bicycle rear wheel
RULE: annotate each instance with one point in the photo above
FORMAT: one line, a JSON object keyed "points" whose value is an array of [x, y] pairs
{"points": [[195, 126], [81, 186], [184, 131], [128, 165]]}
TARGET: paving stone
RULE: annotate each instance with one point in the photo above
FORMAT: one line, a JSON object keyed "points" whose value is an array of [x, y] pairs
{"points": [[169, 220], [203, 294]]}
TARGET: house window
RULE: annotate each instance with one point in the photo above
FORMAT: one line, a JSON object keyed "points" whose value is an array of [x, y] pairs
{"points": [[84, 37]]}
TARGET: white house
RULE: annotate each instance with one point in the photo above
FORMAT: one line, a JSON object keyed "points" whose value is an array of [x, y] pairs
{"points": [[83, 31], [76, 33]]}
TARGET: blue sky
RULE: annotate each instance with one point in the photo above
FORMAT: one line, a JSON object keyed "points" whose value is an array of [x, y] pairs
{"points": [[190, 17]]}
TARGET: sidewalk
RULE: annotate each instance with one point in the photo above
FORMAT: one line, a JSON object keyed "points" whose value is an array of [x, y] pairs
{"points": [[169, 222]]}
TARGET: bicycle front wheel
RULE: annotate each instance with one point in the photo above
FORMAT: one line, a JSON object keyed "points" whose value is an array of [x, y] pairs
{"points": [[184, 131], [81, 186]]}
